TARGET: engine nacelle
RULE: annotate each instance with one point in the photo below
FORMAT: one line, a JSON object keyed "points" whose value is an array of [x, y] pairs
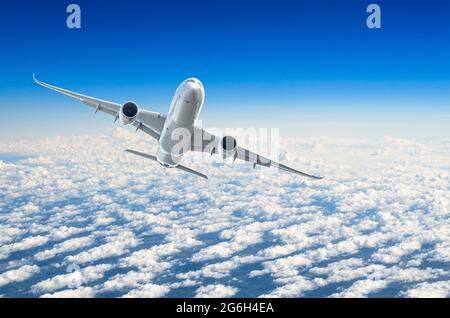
{"points": [[228, 146], [128, 113]]}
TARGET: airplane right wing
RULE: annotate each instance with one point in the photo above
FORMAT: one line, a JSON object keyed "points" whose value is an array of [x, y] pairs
{"points": [[204, 141], [149, 122]]}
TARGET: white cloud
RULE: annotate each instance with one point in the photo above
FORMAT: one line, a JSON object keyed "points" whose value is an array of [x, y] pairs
{"points": [[293, 286], [64, 247], [362, 288], [8, 233], [148, 291], [65, 232], [18, 275], [150, 258], [216, 270], [215, 291], [379, 219], [439, 289], [117, 246], [72, 279], [393, 254], [25, 244], [442, 252], [82, 292], [132, 279]]}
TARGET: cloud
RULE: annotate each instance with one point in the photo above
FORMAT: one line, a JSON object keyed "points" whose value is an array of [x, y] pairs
{"points": [[150, 258], [18, 275], [216, 270], [82, 292], [393, 254], [64, 247], [442, 252], [362, 288], [117, 246], [148, 291], [131, 279], [215, 291], [25, 244], [72, 279], [295, 286], [239, 241], [439, 289], [378, 221], [65, 232], [8, 233]]}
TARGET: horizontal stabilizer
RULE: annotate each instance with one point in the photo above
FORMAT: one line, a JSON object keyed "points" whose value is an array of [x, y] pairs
{"points": [[181, 167], [288, 169]]}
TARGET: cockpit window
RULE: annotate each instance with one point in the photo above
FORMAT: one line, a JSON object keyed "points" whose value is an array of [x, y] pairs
{"points": [[193, 80]]}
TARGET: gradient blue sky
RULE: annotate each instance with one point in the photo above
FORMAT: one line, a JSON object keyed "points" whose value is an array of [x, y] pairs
{"points": [[311, 68]]}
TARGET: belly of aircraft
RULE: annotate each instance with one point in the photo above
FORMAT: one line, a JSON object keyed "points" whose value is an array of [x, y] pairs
{"points": [[175, 138]]}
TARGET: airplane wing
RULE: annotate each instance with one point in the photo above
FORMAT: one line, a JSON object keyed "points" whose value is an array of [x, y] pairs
{"points": [[204, 141], [147, 121]]}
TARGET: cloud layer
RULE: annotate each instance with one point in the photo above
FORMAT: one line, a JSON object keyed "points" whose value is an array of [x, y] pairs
{"points": [[81, 218]]}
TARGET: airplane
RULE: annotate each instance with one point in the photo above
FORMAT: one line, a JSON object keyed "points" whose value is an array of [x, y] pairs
{"points": [[182, 116]]}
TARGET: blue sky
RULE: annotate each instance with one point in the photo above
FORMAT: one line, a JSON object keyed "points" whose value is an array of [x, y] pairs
{"points": [[310, 68]]}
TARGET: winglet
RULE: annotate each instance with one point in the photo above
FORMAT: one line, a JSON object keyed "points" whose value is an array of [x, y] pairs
{"points": [[36, 80]]}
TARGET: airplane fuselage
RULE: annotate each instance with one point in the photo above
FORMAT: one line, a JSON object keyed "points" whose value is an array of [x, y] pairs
{"points": [[177, 132], [186, 104]]}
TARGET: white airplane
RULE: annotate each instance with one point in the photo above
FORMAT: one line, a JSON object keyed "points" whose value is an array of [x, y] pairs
{"points": [[183, 113]]}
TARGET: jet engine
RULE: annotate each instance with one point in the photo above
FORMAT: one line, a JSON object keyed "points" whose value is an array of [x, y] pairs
{"points": [[128, 113], [228, 147]]}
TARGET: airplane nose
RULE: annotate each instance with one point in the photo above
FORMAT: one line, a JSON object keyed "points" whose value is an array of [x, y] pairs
{"points": [[193, 93]]}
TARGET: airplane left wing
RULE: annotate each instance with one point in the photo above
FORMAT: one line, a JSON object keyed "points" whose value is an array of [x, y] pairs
{"points": [[147, 121], [204, 141], [98, 104]]}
